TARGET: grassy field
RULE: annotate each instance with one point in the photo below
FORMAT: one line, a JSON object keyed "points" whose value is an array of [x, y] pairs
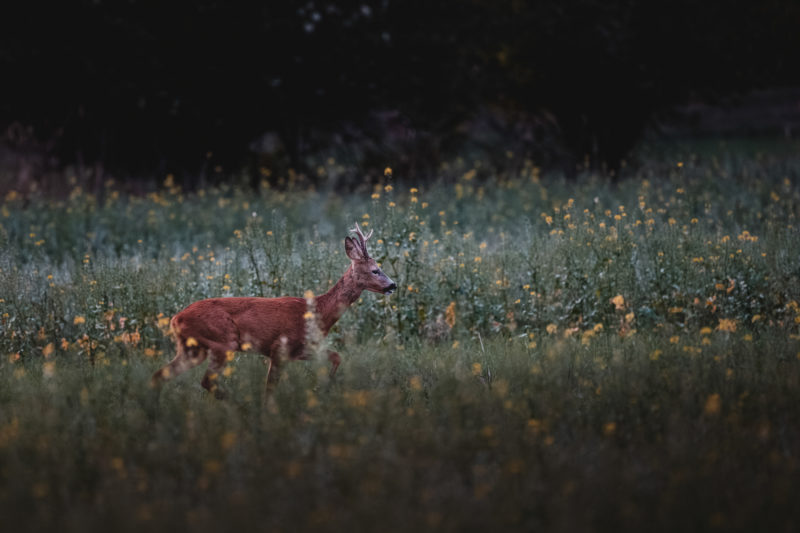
{"points": [[561, 355]]}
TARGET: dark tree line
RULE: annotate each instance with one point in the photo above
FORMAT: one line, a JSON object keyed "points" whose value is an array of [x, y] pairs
{"points": [[147, 87]]}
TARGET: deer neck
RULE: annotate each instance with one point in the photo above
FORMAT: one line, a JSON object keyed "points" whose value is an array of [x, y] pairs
{"points": [[332, 305]]}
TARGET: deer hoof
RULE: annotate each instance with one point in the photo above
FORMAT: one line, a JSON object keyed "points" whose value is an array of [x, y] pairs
{"points": [[220, 394]]}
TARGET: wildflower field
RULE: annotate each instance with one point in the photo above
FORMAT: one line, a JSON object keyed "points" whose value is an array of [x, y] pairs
{"points": [[561, 355]]}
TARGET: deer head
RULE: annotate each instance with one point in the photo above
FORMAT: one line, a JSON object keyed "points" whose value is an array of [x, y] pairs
{"points": [[366, 272]]}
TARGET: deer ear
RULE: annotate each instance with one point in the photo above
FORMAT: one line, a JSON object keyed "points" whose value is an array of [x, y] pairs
{"points": [[352, 249]]}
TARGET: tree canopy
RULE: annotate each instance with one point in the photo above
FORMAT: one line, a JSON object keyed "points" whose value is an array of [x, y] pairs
{"points": [[146, 86]]}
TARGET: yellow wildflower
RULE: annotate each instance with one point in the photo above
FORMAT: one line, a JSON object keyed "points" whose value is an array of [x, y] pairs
{"points": [[450, 315], [713, 405], [48, 350]]}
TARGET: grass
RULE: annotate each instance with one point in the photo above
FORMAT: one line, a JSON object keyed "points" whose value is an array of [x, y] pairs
{"points": [[561, 355]]}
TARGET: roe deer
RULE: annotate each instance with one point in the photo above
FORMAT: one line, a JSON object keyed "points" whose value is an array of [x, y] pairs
{"points": [[274, 327]]}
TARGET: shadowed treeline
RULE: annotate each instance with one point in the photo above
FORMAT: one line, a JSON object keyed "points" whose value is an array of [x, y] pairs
{"points": [[136, 88]]}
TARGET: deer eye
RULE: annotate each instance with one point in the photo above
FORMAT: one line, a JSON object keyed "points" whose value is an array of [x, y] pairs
{"points": [[376, 271]]}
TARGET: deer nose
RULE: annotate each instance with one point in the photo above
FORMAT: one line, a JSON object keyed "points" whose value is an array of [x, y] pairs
{"points": [[390, 289]]}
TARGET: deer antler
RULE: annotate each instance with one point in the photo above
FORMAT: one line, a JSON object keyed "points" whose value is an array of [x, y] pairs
{"points": [[357, 229], [362, 238]]}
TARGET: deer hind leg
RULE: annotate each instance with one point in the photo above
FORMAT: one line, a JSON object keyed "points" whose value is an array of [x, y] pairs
{"points": [[186, 358], [217, 361]]}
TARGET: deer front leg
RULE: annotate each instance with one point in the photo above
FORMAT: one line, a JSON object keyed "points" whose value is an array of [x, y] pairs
{"points": [[273, 364], [335, 360], [278, 351], [273, 374]]}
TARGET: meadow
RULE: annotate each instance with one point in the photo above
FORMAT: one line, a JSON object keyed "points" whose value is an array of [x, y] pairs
{"points": [[561, 355]]}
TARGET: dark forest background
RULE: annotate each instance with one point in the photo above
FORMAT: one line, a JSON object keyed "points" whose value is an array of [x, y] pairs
{"points": [[135, 89]]}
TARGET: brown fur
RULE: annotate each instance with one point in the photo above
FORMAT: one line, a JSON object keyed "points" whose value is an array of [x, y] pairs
{"points": [[275, 327]]}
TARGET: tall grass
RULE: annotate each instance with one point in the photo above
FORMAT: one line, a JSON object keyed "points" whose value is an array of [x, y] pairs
{"points": [[561, 355]]}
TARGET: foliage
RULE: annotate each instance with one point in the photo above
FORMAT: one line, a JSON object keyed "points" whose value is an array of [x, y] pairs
{"points": [[560, 355], [173, 83]]}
